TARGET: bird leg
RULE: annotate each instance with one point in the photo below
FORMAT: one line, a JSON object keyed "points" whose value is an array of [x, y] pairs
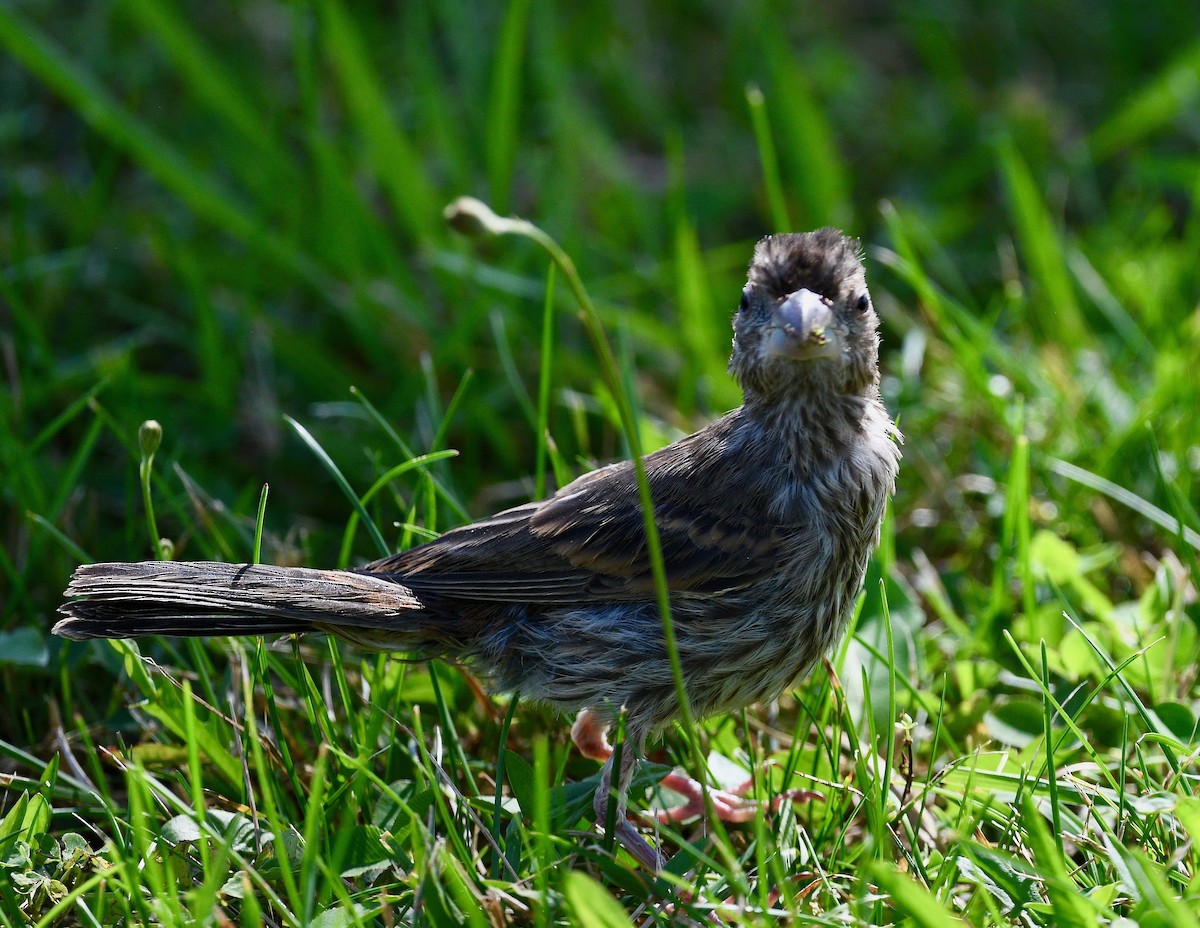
{"points": [[590, 736]]}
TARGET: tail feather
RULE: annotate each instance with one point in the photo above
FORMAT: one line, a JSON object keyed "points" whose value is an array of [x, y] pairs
{"points": [[200, 598]]}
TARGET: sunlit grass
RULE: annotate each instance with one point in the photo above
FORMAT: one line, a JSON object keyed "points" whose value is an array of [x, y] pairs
{"points": [[234, 228]]}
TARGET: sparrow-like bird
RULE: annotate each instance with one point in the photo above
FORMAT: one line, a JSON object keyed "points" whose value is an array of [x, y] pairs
{"points": [[767, 519]]}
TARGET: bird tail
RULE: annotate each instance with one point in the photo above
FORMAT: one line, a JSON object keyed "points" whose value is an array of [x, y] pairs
{"points": [[200, 599]]}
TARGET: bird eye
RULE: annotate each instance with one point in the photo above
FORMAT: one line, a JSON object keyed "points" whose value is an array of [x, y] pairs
{"points": [[745, 303], [863, 303]]}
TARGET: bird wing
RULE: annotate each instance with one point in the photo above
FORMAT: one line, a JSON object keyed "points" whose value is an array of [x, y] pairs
{"points": [[588, 541]]}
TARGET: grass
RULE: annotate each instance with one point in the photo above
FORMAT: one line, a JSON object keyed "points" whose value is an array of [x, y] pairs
{"points": [[230, 222]]}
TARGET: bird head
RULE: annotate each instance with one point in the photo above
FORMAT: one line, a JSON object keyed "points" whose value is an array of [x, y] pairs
{"points": [[805, 323]]}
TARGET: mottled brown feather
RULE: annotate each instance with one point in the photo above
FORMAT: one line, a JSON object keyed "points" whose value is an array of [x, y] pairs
{"points": [[588, 541]]}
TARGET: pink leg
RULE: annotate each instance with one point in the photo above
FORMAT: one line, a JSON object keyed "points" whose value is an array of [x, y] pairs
{"points": [[590, 735]]}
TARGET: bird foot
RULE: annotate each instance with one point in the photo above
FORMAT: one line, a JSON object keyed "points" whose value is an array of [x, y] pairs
{"points": [[590, 736], [728, 805]]}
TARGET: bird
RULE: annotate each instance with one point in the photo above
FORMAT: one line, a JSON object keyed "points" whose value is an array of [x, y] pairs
{"points": [[767, 518]]}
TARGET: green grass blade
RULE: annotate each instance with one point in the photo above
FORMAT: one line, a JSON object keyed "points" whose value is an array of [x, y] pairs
{"points": [[502, 113], [808, 146], [1152, 108], [394, 159], [1057, 314], [781, 220], [336, 473]]}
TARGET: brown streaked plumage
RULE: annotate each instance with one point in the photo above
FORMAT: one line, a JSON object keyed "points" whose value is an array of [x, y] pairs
{"points": [[767, 519]]}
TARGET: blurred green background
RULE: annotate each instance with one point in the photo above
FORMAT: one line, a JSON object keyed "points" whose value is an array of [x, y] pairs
{"points": [[214, 215]]}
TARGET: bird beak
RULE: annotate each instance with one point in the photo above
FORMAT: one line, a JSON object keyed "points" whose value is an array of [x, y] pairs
{"points": [[802, 328]]}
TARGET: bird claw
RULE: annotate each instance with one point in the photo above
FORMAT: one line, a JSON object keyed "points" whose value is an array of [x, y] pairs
{"points": [[728, 805], [590, 736], [641, 849]]}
